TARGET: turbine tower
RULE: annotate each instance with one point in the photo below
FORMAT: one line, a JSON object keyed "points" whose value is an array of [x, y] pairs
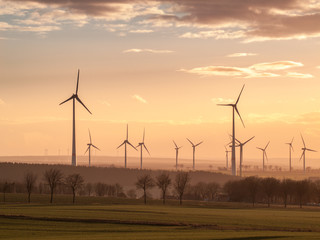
{"points": [[290, 148], [177, 152], [240, 144], [141, 145], [89, 148], [227, 156], [233, 156], [303, 155], [125, 142], [194, 150], [75, 97], [264, 153]]}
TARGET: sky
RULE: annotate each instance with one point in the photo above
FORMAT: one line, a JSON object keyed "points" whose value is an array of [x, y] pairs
{"points": [[163, 66]]}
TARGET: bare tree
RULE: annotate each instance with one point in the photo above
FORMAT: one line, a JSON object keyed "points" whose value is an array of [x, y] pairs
{"points": [[286, 188], [181, 181], [53, 177], [145, 182], [302, 188], [89, 188], [252, 184], [163, 182], [212, 189], [270, 187], [30, 181], [75, 182]]}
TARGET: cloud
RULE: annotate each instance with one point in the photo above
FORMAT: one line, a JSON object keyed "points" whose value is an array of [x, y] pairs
{"points": [[139, 98], [141, 31], [241, 54], [253, 20], [299, 75], [106, 103], [259, 70], [279, 65], [222, 100], [138, 50]]}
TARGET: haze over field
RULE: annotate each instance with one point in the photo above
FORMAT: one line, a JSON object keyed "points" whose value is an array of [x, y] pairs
{"points": [[162, 66]]}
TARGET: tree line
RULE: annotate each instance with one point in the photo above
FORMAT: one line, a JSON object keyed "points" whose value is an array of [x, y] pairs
{"points": [[273, 191]]}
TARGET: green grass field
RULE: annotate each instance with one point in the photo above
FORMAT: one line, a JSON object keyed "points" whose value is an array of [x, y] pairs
{"points": [[104, 218]]}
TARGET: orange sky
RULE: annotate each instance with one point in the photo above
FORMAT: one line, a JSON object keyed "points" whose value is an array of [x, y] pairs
{"points": [[162, 65]]}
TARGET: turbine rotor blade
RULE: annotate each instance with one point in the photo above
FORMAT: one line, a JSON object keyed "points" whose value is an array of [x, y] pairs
{"points": [[303, 140], [265, 153], [90, 136], [121, 144], [67, 100], [240, 95], [95, 147], [127, 132], [239, 115], [292, 140], [310, 150], [83, 104], [77, 82], [303, 152], [190, 142], [198, 144], [230, 105], [87, 149], [248, 140], [267, 145], [132, 145], [146, 149], [260, 149], [175, 144]]}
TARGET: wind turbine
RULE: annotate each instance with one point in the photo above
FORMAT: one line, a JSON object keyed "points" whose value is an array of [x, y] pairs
{"points": [[89, 148], [290, 148], [75, 97], [227, 156], [264, 153], [141, 145], [234, 108], [194, 150], [125, 142], [240, 144], [177, 152], [304, 149]]}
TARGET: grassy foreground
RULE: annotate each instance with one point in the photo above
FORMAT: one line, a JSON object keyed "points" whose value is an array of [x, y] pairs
{"points": [[129, 220]]}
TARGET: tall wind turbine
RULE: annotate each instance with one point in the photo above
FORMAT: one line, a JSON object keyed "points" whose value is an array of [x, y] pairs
{"points": [[240, 144], [141, 145], [125, 142], [89, 148], [303, 155], [177, 152], [264, 153], [290, 148], [75, 97], [233, 156], [227, 156], [194, 150]]}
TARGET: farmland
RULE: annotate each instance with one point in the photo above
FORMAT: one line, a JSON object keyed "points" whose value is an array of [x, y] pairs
{"points": [[108, 218]]}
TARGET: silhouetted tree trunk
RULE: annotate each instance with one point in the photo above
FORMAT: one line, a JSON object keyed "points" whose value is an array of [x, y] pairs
{"points": [[163, 182], [74, 181], [145, 182], [53, 177], [181, 181], [30, 181]]}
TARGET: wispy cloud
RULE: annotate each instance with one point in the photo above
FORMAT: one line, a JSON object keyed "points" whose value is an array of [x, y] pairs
{"points": [[147, 50], [299, 75], [217, 34], [222, 100], [142, 31], [279, 65], [259, 70], [106, 103], [241, 54], [139, 98]]}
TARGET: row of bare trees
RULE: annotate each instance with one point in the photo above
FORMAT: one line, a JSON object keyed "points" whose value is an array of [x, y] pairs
{"points": [[164, 182], [271, 190]]}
